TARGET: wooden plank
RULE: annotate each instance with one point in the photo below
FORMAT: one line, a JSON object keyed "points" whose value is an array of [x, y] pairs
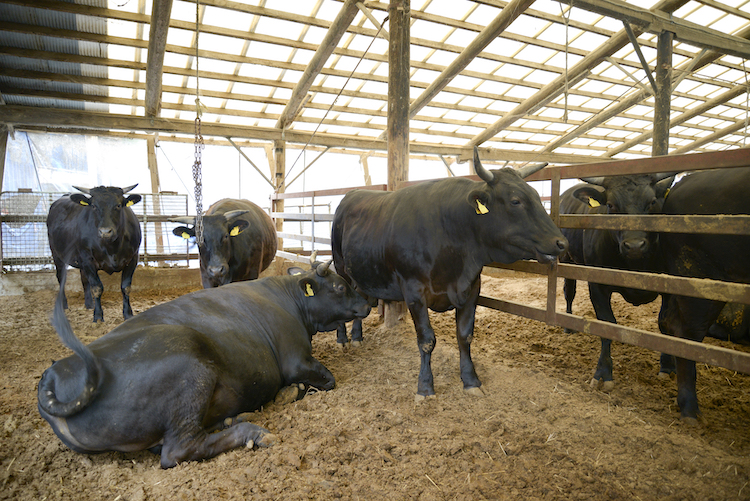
{"points": [[398, 92], [327, 193], [292, 216], [720, 224], [157, 42]]}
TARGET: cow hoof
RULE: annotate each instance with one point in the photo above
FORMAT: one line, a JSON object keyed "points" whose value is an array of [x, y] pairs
{"points": [[689, 421], [356, 344], [666, 375], [287, 395], [605, 386], [266, 440], [342, 346], [418, 399], [476, 391]]}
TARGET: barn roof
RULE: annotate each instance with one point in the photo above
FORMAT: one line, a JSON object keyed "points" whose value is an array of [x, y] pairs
{"points": [[529, 80]]}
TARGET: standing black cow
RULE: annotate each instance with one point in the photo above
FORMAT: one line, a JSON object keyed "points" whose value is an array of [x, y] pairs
{"points": [[427, 244], [628, 250], [720, 257], [96, 230], [239, 241], [168, 378]]}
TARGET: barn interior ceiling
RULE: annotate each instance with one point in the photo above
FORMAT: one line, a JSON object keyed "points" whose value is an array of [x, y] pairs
{"points": [[564, 81]]}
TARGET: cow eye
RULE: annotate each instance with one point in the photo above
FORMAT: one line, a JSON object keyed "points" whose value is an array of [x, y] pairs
{"points": [[610, 207], [515, 202]]}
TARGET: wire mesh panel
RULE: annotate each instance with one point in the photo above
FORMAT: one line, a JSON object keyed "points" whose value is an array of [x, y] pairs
{"points": [[23, 232]]}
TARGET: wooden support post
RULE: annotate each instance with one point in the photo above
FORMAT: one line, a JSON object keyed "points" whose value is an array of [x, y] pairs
{"points": [[3, 149], [398, 93], [153, 168], [398, 113], [279, 148], [663, 94]]}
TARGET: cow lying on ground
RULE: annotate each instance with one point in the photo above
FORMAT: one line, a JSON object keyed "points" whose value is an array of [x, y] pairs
{"points": [[719, 257], [239, 241], [96, 230], [426, 244], [169, 377], [627, 250]]}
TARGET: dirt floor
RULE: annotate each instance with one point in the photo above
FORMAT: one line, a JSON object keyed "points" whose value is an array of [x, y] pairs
{"points": [[539, 433]]}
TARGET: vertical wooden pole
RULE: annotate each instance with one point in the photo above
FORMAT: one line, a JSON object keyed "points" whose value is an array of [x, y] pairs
{"points": [[398, 93], [279, 148], [3, 149], [399, 14], [663, 93], [153, 168]]}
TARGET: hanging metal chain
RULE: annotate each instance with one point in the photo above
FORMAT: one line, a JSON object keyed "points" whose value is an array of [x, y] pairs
{"points": [[199, 144]]}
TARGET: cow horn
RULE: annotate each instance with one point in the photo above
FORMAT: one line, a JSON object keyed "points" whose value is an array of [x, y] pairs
{"points": [[83, 190], [483, 173], [183, 220], [599, 181], [528, 170], [129, 188], [322, 269], [662, 176], [232, 214], [313, 256]]}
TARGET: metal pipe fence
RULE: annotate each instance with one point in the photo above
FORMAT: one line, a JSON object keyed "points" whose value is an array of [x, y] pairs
{"points": [[23, 231]]}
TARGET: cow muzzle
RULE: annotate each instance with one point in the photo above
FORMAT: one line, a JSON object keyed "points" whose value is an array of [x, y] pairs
{"points": [[634, 248], [560, 247], [106, 233]]}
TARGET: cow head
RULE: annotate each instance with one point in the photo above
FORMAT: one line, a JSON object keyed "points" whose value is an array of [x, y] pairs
{"points": [[326, 298], [219, 232], [107, 204], [631, 194], [510, 217]]}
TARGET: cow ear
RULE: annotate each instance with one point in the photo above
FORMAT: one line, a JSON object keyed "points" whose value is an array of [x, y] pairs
{"points": [[79, 198], [132, 200], [309, 287], [591, 196], [478, 199], [662, 187], [295, 270], [238, 227], [184, 232]]}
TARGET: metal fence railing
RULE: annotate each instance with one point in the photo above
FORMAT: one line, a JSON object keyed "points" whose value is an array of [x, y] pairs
{"points": [[23, 229]]}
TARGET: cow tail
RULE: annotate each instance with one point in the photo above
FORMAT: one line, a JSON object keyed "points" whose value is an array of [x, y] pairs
{"points": [[47, 399]]}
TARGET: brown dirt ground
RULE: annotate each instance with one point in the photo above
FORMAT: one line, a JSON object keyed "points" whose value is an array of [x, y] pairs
{"points": [[539, 433]]}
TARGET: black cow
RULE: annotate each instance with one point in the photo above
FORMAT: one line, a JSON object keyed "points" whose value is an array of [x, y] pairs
{"points": [[169, 378], [732, 324], [239, 241], [628, 250], [426, 244], [720, 257], [96, 230]]}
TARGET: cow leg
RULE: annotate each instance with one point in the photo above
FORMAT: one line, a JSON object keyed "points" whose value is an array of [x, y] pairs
{"points": [[569, 290], [356, 332], [601, 299], [426, 343], [341, 338], [688, 318], [125, 283], [96, 288], [60, 269], [88, 301], [202, 445], [307, 370], [464, 335], [667, 363]]}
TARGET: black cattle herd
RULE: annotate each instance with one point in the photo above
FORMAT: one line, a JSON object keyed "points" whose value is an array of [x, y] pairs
{"points": [[181, 378]]}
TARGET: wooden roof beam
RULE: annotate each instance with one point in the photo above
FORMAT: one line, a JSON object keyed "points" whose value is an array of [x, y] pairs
{"points": [[157, 43], [326, 48], [509, 14], [653, 21], [557, 86]]}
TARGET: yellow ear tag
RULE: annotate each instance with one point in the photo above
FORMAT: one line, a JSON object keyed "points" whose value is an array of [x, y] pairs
{"points": [[481, 209], [593, 203], [666, 193], [130, 202], [185, 235], [83, 203], [235, 231], [308, 290]]}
